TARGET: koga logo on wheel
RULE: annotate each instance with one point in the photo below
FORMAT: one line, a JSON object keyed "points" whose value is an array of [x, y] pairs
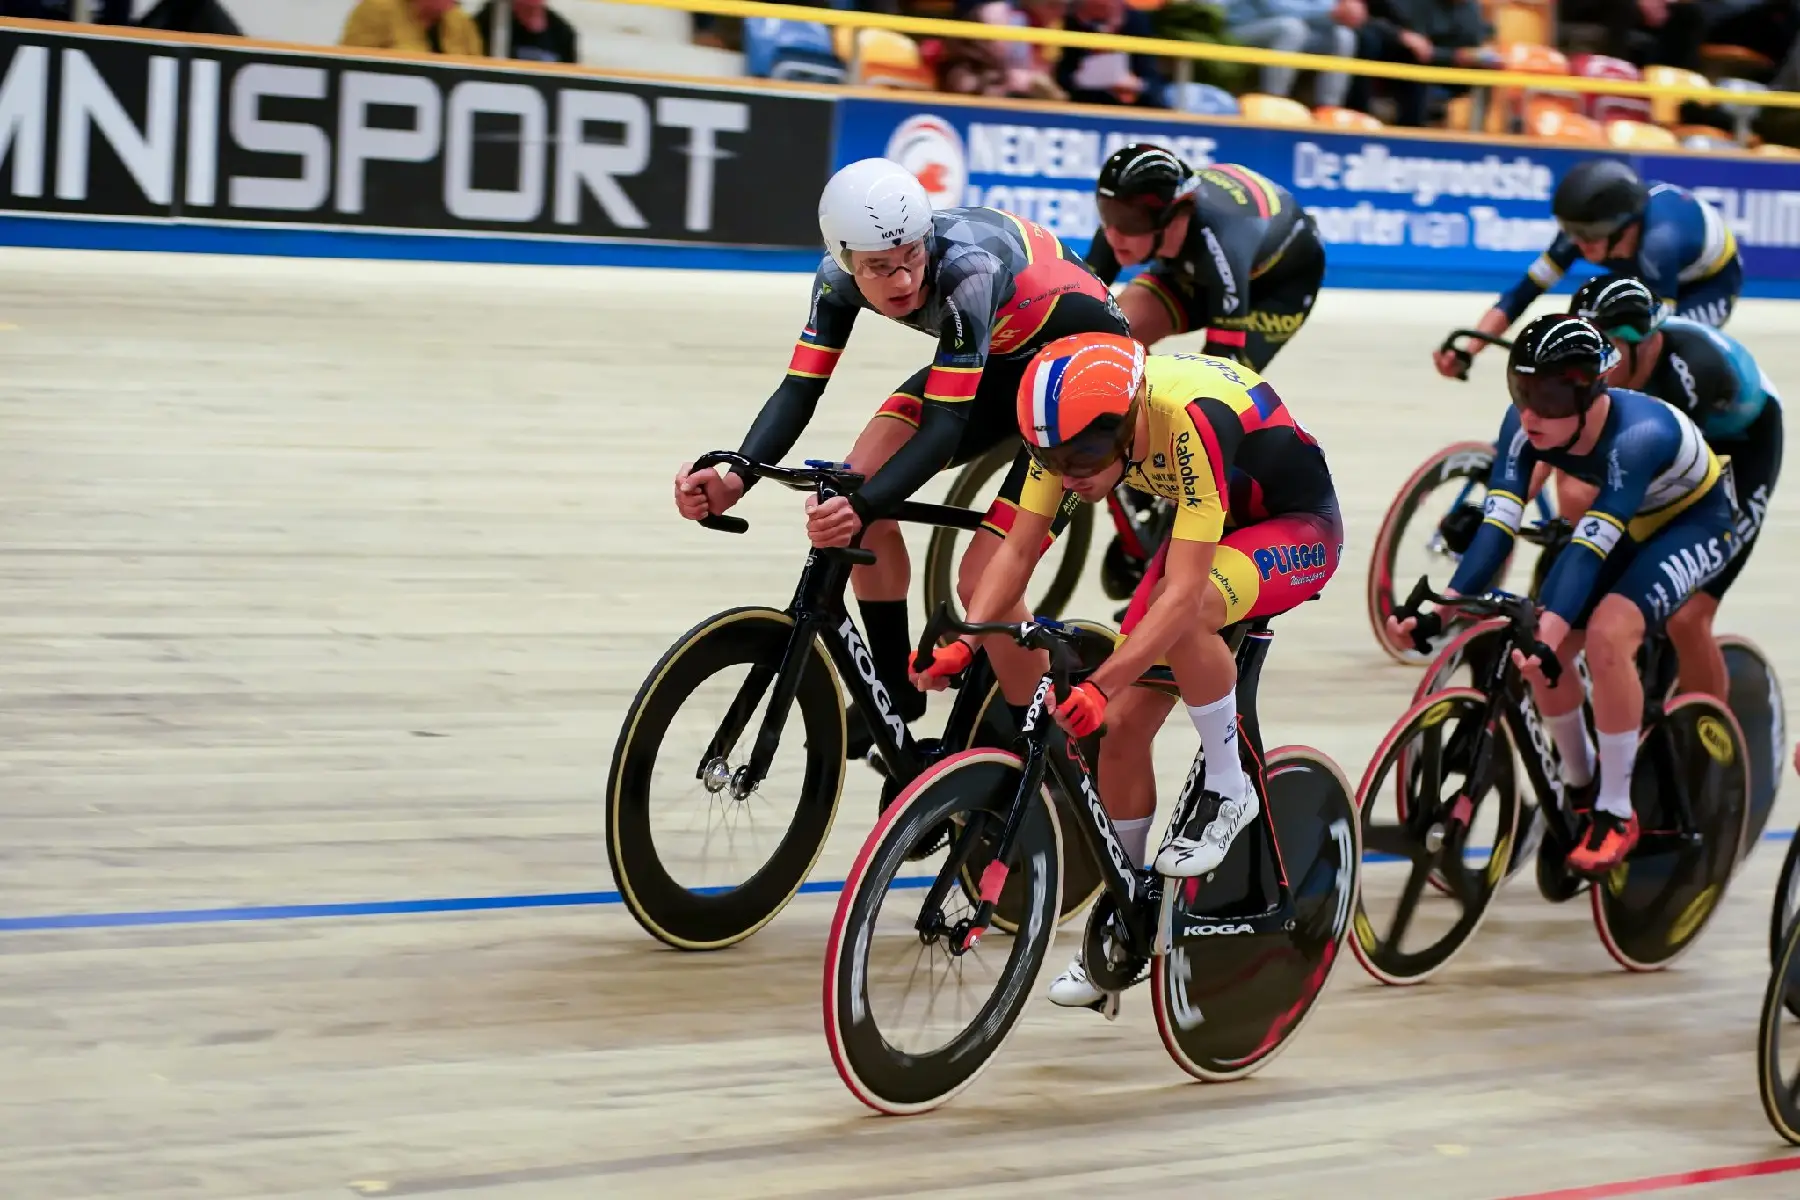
{"points": [[930, 148], [1214, 929]]}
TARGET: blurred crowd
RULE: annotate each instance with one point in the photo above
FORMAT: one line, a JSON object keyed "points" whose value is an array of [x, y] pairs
{"points": [[1745, 43]]}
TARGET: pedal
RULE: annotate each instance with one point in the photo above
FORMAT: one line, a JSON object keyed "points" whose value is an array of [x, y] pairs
{"points": [[1108, 1006]]}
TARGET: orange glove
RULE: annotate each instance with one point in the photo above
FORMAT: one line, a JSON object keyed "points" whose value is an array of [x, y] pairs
{"points": [[946, 663], [1083, 711]]}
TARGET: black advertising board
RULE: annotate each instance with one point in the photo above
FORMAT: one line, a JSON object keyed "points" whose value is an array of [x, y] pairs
{"points": [[207, 133]]}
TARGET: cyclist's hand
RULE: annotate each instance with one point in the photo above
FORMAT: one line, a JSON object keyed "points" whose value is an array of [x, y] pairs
{"points": [[1399, 633], [947, 662], [1448, 363], [1532, 668], [833, 523], [705, 493], [1083, 712]]}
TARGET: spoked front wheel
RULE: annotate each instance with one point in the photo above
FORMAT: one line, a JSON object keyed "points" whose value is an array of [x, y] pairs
{"points": [[1653, 906], [913, 1013], [1778, 1041], [1227, 1003], [979, 481], [700, 861], [1457, 819]]}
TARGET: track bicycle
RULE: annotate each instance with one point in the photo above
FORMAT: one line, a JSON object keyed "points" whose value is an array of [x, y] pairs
{"points": [[1778, 1039], [1236, 959], [1140, 523], [1454, 750], [1463, 466], [806, 656]]}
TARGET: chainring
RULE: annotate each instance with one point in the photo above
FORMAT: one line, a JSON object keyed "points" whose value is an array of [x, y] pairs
{"points": [[1109, 963]]}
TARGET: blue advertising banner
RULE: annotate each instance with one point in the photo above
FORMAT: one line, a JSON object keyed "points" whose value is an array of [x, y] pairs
{"points": [[1395, 211]]}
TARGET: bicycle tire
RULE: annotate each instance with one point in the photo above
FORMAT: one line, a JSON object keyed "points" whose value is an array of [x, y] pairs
{"points": [[880, 1076], [1629, 906], [1382, 959], [1781, 999], [1786, 907], [713, 919], [1754, 696], [1459, 460], [980, 478], [1316, 832]]}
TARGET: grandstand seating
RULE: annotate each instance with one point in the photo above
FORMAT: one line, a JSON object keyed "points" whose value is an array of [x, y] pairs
{"points": [[883, 58], [1204, 99], [1640, 135], [797, 50], [1344, 118], [1610, 108], [1274, 110]]}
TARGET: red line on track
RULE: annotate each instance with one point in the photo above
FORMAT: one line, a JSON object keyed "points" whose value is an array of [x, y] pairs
{"points": [[1660, 1183]]}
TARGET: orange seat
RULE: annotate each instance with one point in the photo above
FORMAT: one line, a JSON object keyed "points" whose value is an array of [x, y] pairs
{"points": [[1273, 110], [1557, 124], [1521, 24], [1773, 150], [1666, 110], [1344, 118], [1637, 135], [883, 58], [1684, 132], [1719, 59], [1513, 107]]}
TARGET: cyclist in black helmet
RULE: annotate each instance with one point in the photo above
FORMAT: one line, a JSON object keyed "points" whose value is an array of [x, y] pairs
{"points": [[1712, 378], [1668, 237], [1658, 529], [1229, 251]]}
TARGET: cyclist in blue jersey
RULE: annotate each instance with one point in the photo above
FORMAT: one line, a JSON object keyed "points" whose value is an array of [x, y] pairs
{"points": [[1713, 379], [1668, 237], [1659, 529]]}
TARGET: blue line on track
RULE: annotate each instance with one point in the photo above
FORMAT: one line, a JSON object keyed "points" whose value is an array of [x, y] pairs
{"points": [[390, 908]]}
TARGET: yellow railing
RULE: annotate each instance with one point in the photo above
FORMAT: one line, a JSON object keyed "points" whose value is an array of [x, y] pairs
{"points": [[1169, 48]]}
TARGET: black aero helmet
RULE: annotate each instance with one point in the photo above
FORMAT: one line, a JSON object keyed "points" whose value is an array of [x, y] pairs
{"points": [[1556, 367], [1620, 306], [1139, 186], [1598, 198]]}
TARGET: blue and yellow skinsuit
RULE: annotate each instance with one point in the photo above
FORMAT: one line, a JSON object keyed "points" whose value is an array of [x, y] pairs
{"points": [[1686, 254], [1659, 530]]}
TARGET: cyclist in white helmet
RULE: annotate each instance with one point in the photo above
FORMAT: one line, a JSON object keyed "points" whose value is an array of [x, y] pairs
{"points": [[991, 289]]}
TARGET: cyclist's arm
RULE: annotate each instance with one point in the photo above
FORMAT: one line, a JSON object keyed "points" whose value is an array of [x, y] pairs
{"points": [[972, 283], [1732, 389], [1023, 530], [1637, 453], [785, 414], [1665, 248], [1539, 278], [1509, 482], [1224, 264], [1101, 258]]}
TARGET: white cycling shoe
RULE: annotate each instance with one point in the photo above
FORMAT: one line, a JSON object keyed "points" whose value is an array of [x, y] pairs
{"points": [[1073, 989], [1184, 857]]}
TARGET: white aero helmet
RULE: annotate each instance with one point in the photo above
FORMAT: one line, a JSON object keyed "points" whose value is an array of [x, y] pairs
{"points": [[872, 204]]}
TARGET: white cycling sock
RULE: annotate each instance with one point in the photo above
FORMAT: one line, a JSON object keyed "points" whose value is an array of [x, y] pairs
{"points": [[1218, 727], [1570, 734], [1135, 837], [1618, 751]]}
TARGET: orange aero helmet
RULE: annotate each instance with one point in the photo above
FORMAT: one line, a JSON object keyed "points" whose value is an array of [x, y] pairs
{"points": [[1078, 401]]}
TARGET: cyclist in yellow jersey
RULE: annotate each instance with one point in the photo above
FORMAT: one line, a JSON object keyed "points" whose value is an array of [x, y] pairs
{"points": [[1256, 532]]}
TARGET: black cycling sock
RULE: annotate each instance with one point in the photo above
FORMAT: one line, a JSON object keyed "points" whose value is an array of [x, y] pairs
{"points": [[890, 646]]}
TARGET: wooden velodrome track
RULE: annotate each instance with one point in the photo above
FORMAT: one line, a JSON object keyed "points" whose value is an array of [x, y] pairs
{"points": [[327, 584]]}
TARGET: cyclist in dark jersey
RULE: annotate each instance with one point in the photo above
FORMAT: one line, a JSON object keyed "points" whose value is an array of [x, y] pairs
{"points": [[1668, 237], [1712, 378], [992, 289], [1233, 253]]}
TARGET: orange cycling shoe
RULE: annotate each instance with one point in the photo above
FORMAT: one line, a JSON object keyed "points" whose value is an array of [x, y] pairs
{"points": [[1609, 839]]}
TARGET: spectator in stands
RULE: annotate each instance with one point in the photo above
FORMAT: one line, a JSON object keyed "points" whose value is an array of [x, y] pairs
{"points": [[191, 16], [539, 33], [1109, 76], [422, 26], [1299, 27], [1437, 33], [1642, 32], [100, 12], [970, 66]]}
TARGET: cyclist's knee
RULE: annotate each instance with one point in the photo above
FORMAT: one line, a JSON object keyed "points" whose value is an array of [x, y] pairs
{"points": [[1213, 611], [1694, 619], [1614, 632], [975, 560]]}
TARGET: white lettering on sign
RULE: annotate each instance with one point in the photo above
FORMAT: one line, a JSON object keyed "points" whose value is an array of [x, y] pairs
{"points": [[298, 193], [584, 164], [1495, 232], [148, 153], [1757, 218], [360, 143], [24, 99], [1046, 152], [461, 197], [1375, 168], [1065, 212]]}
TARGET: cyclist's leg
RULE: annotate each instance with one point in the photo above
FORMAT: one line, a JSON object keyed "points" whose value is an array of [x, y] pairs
{"points": [[1656, 579], [1711, 301], [1259, 570], [881, 586], [1755, 466], [1279, 307]]}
